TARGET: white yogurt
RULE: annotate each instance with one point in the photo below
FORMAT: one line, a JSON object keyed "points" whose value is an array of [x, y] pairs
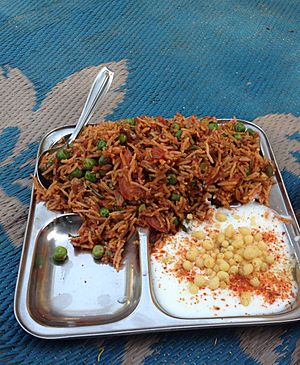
{"points": [[172, 294]]}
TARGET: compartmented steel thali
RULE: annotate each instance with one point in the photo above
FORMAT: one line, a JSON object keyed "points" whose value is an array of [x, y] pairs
{"points": [[84, 298]]}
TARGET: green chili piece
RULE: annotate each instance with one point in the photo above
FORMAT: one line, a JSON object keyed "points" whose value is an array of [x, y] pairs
{"points": [[97, 193]]}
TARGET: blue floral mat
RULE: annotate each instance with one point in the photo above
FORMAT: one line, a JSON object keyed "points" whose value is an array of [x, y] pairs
{"points": [[195, 57]]}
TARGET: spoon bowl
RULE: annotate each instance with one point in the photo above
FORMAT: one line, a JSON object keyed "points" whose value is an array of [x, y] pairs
{"points": [[98, 90]]}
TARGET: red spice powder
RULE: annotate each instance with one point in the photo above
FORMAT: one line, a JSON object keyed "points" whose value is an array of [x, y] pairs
{"points": [[272, 286], [269, 236]]}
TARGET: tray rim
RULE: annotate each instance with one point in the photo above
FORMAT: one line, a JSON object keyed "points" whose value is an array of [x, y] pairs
{"points": [[193, 323]]}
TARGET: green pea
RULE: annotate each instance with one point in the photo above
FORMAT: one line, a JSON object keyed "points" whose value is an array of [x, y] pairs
{"points": [[176, 221], [129, 121], [178, 134], [122, 138], [176, 126], [237, 136], [60, 253], [101, 144], [76, 173], [104, 212], [213, 126], [62, 154], [175, 197], [250, 132], [89, 163], [172, 179], [90, 176], [269, 170], [239, 127], [102, 160], [98, 252], [142, 207]]}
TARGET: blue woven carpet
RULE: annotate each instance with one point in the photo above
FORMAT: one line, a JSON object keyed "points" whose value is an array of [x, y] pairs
{"points": [[224, 58]]}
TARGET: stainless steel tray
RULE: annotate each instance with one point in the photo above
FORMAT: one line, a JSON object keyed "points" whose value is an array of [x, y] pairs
{"points": [[82, 298]]}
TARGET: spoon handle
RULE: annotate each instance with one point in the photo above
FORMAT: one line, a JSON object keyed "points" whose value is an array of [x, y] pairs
{"points": [[99, 88]]}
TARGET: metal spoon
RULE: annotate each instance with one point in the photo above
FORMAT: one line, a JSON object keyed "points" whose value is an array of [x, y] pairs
{"points": [[98, 90]]}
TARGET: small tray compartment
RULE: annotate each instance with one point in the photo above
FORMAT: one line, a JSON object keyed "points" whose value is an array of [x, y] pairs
{"points": [[171, 294], [79, 291]]}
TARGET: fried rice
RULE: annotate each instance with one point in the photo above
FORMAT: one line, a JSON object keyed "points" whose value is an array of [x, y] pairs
{"points": [[152, 172]]}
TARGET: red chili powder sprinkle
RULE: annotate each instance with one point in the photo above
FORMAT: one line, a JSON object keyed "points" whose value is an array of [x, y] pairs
{"points": [[272, 286], [269, 236]]}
